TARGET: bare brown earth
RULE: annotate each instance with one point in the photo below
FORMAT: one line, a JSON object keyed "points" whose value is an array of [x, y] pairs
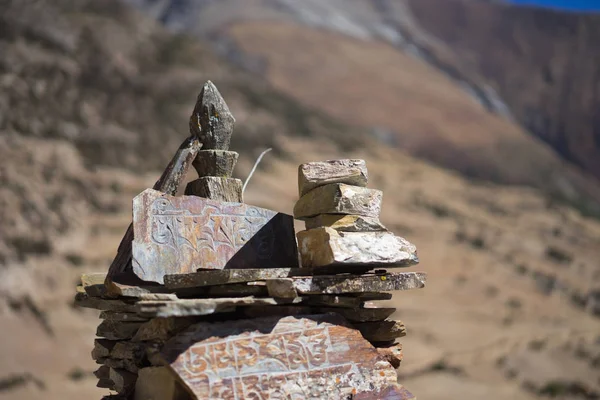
{"points": [[509, 308]]}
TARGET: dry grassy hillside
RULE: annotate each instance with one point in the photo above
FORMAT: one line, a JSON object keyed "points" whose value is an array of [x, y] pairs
{"points": [[544, 64], [513, 277]]}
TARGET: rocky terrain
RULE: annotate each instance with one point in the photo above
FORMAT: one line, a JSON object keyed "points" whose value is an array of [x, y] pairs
{"points": [[96, 97]]}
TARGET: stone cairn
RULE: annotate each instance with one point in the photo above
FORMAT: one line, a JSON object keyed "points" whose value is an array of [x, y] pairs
{"points": [[206, 298]]}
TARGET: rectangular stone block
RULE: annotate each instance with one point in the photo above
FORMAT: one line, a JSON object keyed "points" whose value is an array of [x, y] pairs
{"points": [[215, 163], [216, 188], [339, 198], [326, 247], [311, 357], [315, 174], [347, 284], [179, 235], [345, 223]]}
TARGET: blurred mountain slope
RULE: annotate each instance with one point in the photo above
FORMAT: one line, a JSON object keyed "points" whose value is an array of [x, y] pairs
{"points": [[95, 99], [375, 65]]}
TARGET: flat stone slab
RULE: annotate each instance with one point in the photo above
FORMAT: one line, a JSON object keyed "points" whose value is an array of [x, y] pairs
{"points": [[199, 307], [341, 284], [339, 198], [345, 223], [351, 314], [216, 188], [315, 174], [181, 234], [322, 247], [121, 305], [382, 331], [122, 316], [228, 276], [315, 357], [117, 330]]}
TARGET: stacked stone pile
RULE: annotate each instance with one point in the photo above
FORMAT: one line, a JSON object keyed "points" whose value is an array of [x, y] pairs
{"points": [[342, 219], [206, 299]]}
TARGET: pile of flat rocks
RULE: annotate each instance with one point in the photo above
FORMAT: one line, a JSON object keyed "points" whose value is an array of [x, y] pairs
{"points": [[211, 298]]}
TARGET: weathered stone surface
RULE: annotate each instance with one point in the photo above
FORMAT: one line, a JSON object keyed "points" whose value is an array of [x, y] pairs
{"points": [[117, 330], [383, 331], [122, 316], [341, 284], [282, 288], [395, 392], [228, 276], [393, 354], [311, 357], [95, 290], [155, 383], [102, 348], [138, 291], [211, 121], [332, 301], [105, 383], [199, 307], [124, 381], [325, 247], [315, 174], [345, 223], [176, 235], [161, 329], [216, 188], [102, 373], [339, 198], [128, 365], [125, 350], [215, 163], [122, 305]]}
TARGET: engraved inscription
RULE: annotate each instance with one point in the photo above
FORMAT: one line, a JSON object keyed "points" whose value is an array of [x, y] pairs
{"points": [[181, 234]]}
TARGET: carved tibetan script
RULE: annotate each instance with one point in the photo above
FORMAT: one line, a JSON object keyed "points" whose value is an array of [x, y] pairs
{"points": [[181, 234], [312, 357]]}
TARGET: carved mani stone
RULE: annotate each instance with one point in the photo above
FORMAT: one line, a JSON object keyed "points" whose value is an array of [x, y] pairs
{"points": [[339, 198], [215, 163], [314, 174], [325, 246], [314, 357], [216, 188], [178, 235]]}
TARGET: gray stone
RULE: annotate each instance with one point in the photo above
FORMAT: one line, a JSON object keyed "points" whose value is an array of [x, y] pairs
{"points": [[200, 307], [345, 284], [351, 314], [383, 331], [339, 198], [325, 247], [211, 121], [128, 365], [122, 316], [125, 350], [345, 223], [161, 329], [105, 383], [332, 301], [315, 174], [102, 348], [282, 288], [215, 163], [228, 276], [181, 234], [216, 188], [83, 300], [117, 330], [102, 373], [124, 381]]}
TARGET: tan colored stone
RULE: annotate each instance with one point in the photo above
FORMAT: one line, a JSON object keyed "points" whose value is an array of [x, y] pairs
{"points": [[124, 381], [155, 383], [339, 198], [315, 174], [282, 288], [216, 188], [345, 223], [325, 247]]}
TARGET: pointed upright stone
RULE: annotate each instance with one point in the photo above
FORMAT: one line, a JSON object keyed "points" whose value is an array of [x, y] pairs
{"points": [[211, 121]]}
